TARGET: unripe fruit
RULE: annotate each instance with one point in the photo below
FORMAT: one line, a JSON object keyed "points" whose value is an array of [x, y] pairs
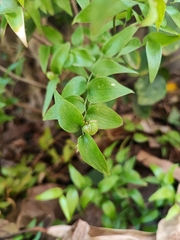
{"points": [[91, 127], [50, 75]]}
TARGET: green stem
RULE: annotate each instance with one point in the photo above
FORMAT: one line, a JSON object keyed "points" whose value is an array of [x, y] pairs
{"points": [[86, 98], [114, 25]]}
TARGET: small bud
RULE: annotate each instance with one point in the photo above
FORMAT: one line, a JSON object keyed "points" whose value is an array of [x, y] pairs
{"points": [[91, 128]]}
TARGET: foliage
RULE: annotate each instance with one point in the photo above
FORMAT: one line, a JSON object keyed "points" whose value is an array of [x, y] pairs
{"points": [[101, 47], [117, 193], [15, 180], [95, 62]]}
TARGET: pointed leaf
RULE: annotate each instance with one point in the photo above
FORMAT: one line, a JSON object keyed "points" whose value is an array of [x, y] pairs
{"points": [[64, 207], [91, 153], [50, 194], [8, 6], [82, 3], [173, 211], [87, 196], [154, 55], [69, 117], [49, 93], [44, 52], [174, 14], [59, 58], [116, 43], [161, 8], [105, 116], [137, 197], [16, 22], [52, 35], [77, 37], [133, 44], [105, 89], [106, 67], [152, 15], [161, 38], [72, 200], [76, 177], [81, 58], [78, 102], [65, 5], [107, 183], [51, 114], [166, 192], [76, 86]]}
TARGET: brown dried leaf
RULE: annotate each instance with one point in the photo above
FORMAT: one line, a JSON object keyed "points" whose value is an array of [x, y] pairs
{"points": [[148, 159], [7, 228]]}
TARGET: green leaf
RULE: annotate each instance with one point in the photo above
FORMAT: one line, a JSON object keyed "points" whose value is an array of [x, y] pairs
{"points": [[69, 117], [174, 14], [116, 43], [105, 89], [87, 196], [173, 211], [161, 38], [140, 138], [51, 114], [166, 192], [133, 177], [3, 25], [52, 35], [16, 21], [51, 86], [106, 67], [91, 153], [64, 207], [161, 8], [107, 183], [152, 14], [50, 194], [109, 209], [44, 53], [59, 58], [65, 5], [149, 216], [8, 6], [81, 58], [174, 116], [78, 102], [150, 93], [154, 54], [133, 59], [77, 37], [82, 3], [133, 44], [76, 177], [105, 116], [72, 200], [137, 197], [76, 86], [33, 11]]}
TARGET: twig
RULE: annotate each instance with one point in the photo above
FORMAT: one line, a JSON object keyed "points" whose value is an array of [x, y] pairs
{"points": [[75, 9], [16, 77]]}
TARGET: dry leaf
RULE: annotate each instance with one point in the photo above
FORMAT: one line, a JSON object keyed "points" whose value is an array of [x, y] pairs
{"points": [[148, 159]]}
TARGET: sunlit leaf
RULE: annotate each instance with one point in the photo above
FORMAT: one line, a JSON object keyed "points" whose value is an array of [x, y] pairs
{"points": [[105, 116], [16, 22], [8, 6], [154, 55], [50, 194], [107, 183], [106, 67], [65, 5], [109, 209], [165, 192], [174, 14], [65, 208], [76, 86], [161, 8], [161, 38], [104, 89], [76, 177], [72, 200], [116, 43], [152, 15], [52, 35]]}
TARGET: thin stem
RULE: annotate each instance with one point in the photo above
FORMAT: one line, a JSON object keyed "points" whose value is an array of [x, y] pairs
{"points": [[86, 99], [114, 25], [16, 77]]}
